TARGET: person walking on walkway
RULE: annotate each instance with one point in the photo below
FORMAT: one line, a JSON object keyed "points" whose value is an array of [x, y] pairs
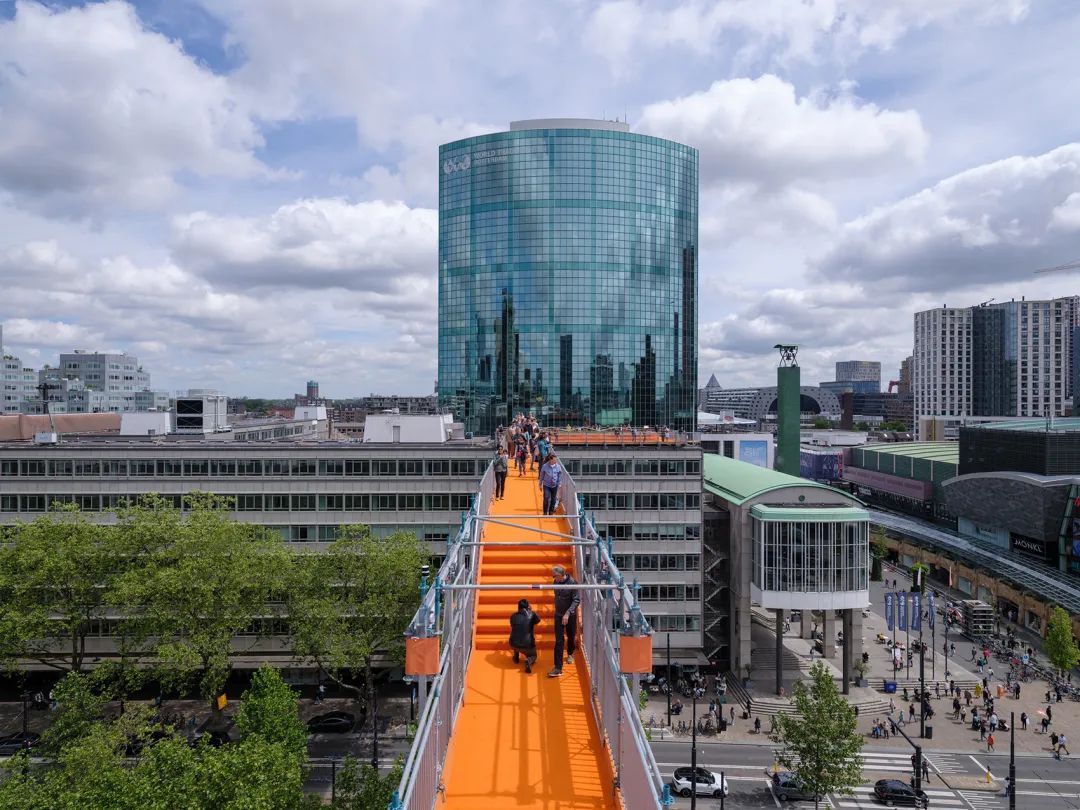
{"points": [[1023, 721], [500, 466], [925, 771], [519, 455], [566, 605], [522, 636], [550, 476], [1061, 745], [990, 743]]}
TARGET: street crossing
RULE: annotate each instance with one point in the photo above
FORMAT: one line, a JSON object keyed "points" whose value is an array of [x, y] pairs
{"points": [[984, 800], [863, 798]]}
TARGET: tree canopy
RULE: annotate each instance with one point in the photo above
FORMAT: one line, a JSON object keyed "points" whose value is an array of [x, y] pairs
{"points": [[1060, 644], [819, 742]]}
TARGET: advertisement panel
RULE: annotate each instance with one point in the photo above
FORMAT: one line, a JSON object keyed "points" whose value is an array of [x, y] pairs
{"points": [[754, 452], [916, 611], [890, 610], [901, 599]]}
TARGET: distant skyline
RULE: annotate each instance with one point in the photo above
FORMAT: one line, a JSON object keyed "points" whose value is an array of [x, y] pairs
{"points": [[243, 194]]}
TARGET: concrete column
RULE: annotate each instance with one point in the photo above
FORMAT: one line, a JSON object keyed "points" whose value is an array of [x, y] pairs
{"points": [[806, 623], [828, 632], [779, 650], [848, 646]]}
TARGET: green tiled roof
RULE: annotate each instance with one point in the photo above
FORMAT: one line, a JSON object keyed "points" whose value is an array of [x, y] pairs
{"points": [[949, 452], [739, 481]]}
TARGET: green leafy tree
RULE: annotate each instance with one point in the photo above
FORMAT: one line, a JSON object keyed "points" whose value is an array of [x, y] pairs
{"points": [[204, 579], [1060, 643], [821, 423], [271, 710], [818, 742], [361, 787], [922, 569], [56, 582], [79, 706], [353, 600], [878, 550]]}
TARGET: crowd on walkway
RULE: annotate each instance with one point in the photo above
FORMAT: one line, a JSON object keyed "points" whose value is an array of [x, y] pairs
{"points": [[524, 442]]}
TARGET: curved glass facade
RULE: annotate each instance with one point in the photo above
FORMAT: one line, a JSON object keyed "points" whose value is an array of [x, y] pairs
{"points": [[568, 277]]}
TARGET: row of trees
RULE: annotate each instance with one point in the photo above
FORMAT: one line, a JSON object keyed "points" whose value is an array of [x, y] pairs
{"points": [[134, 762], [176, 590]]}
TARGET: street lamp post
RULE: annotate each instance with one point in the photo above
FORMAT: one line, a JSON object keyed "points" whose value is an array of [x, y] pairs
{"points": [[1012, 760], [668, 685], [693, 754]]}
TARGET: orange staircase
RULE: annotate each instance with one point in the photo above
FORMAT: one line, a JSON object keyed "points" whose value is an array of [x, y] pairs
{"points": [[524, 741]]}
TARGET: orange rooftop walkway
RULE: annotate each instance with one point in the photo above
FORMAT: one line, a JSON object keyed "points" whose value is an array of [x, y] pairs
{"points": [[524, 741]]}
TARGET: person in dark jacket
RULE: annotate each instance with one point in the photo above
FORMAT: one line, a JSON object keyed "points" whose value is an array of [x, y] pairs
{"points": [[500, 467], [566, 605], [522, 638]]}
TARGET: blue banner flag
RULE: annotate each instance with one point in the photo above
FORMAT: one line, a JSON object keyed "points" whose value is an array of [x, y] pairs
{"points": [[890, 608], [916, 611], [930, 608], [901, 599]]}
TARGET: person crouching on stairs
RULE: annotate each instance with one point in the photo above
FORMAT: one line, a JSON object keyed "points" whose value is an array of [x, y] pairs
{"points": [[522, 639]]}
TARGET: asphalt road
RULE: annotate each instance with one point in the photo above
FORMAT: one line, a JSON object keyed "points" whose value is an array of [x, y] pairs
{"points": [[1042, 781]]}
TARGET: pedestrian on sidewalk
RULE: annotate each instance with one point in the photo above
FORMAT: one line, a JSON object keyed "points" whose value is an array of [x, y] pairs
{"points": [[911, 712], [1045, 722], [1016, 690], [963, 714], [990, 743], [1061, 745], [731, 711], [982, 730], [1023, 721], [925, 771], [973, 652], [1053, 741], [550, 476], [1049, 713], [757, 725]]}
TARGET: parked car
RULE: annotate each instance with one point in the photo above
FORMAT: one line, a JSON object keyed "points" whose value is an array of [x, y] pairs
{"points": [[892, 792], [787, 788], [331, 723], [706, 783], [14, 743]]}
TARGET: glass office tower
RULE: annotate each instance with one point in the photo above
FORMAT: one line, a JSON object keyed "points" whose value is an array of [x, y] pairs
{"points": [[568, 276]]}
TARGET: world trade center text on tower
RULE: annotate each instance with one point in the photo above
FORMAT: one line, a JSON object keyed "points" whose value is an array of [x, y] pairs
{"points": [[568, 276]]}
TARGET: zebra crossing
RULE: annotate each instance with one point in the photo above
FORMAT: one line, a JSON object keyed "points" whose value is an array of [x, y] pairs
{"points": [[982, 800], [900, 762], [863, 799]]}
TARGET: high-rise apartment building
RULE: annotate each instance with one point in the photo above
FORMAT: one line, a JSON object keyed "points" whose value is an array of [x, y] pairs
{"points": [[1007, 359], [568, 276], [903, 385]]}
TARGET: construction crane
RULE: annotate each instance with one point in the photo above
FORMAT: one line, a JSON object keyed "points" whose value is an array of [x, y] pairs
{"points": [[1066, 266]]}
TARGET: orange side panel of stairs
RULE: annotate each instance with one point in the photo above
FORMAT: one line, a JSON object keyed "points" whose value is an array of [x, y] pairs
{"points": [[524, 741]]}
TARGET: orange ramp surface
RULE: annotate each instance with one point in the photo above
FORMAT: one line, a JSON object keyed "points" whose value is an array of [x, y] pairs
{"points": [[524, 741]]}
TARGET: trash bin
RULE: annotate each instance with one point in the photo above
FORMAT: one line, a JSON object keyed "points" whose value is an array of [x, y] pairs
{"points": [[890, 687], [929, 732]]}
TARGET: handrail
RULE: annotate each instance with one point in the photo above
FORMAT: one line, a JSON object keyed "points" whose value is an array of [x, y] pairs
{"points": [[609, 611]]}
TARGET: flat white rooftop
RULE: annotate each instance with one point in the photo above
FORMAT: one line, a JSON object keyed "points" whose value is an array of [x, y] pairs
{"points": [[569, 123]]}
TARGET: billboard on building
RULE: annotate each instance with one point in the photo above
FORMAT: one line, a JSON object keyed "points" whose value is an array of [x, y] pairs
{"points": [[819, 466], [754, 452]]}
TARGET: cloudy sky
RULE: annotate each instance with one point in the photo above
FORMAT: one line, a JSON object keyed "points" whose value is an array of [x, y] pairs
{"points": [[241, 193]]}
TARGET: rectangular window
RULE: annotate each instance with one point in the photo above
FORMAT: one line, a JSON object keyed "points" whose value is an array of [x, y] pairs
{"points": [[437, 503], [169, 467], [463, 466], [9, 503], [249, 503], [693, 562], [60, 467], [277, 503], [646, 562], [693, 467], [357, 503], [594, 467], [329, 467], [331, 503], [693, 500], [88, 503], [32, 467], [670, 501], [249, 467], [196, 467], [33, 503], [142, 468], [460, 502], [672, 468], [411, 503], [276, 466], [436, 537], [87, 467], [646, 467], [384, 503], [9, 467], [646, 500], [303, 466], [595, 500], [302, 534], [411, 467], [672, 562], [328, 534], [303, 503], [358, 468], [437, 467], [619, 500], [624, 562], [618, 467], [223, 468], [386, 467]]}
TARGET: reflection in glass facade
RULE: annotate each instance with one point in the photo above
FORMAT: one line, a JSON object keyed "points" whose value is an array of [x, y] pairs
{"points": [[568, 276]]}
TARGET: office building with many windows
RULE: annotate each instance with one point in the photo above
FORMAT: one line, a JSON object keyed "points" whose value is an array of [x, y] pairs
{"points": [[568, 276], [646, 498]]}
